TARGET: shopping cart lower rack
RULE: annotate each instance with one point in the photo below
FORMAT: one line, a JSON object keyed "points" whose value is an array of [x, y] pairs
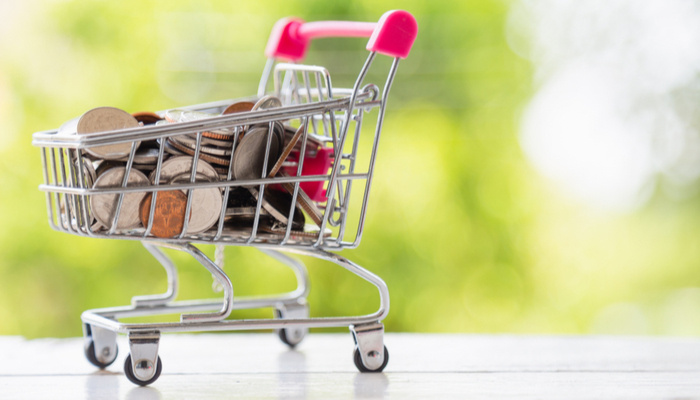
{"points": [[274, 171]]}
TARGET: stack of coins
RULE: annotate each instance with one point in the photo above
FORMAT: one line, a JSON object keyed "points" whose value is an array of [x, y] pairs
{"points": [[236, 154]]}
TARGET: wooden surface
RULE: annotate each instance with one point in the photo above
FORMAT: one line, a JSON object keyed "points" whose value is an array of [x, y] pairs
{"points": [[421, 366]]}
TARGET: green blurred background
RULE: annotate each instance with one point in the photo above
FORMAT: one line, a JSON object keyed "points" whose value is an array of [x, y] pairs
{"points": [[468, 236]]}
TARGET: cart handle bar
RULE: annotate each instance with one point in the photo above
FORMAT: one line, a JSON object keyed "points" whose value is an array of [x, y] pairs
{"points": [[393, 35]]}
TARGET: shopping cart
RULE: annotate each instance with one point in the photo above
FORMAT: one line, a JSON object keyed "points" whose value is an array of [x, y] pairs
{"points": [[304, 139]]}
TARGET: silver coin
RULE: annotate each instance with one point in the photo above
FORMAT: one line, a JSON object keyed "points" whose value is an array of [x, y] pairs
{"points": [[204, 148], [205, 206], [244, 211], [104, 119], [174, 116], [176, 166], [249, 157], [89, 173], [277, 129], [309, 231], [207, 141], [105, 165], [104, 206], [267, 103], [170, 149], [145, 156], [278, 204], [69, 128]]}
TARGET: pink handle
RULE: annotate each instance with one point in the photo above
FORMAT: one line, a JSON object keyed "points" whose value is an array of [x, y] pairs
{"points": [[393, 35]]}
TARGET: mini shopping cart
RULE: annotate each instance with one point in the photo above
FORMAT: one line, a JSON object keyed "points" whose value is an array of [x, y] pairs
{"points": [[327, 122]]}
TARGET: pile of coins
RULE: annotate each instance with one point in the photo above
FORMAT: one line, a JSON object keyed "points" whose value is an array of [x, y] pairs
{"points": [[223, 154]]}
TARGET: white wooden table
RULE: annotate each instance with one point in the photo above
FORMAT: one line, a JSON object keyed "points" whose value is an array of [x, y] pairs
{"points": [[421, 366]]}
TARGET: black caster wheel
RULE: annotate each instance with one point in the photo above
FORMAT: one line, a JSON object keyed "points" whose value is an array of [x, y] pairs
{"points": [[129, 372], [292, 342], [361, 367], [282, 333], [90, 355]]}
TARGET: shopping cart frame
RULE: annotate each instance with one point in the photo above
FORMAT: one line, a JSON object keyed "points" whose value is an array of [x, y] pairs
{"points": [[67, 194]]}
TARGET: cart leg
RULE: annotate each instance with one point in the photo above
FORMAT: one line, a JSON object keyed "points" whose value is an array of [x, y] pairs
{"points": [[170, 270], [300, 272], [143, 366], [370, 353], [296, 306], [218, 274], [100, 345]]}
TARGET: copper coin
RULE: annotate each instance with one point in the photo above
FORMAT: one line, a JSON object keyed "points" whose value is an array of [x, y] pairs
{"points": [[213, 135], [241, 106], [147, 117], [169, 213]]}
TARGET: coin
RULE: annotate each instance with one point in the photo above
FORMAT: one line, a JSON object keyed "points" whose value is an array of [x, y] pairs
{"points": [[309, 231], [106, 165], [287, 150], [104, 206], [241, 106], [207, 141], [205, 146], [277, 129], [278, 204], [312, 142], [104, 119], [244, 211], [89, 173], [168, 214], [144, 156], [266, 103], [240, 197], [69, 127], [147, 117], [202, 155], [205, 206], [175, 166], [188, 116], [249, 157], [170, 149], [304, 201]]}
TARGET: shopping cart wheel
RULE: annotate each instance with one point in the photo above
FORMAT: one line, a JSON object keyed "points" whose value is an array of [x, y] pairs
{"points": [[294, 335], [100, 346], [295, 339], [90, 355], [129, 371], [361, 367]]}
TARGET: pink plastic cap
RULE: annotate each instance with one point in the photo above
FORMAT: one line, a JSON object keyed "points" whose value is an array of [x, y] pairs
{"points": [[393, 35], [284, 41]]}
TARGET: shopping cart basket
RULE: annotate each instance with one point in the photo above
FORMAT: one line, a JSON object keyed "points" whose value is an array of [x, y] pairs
{"points": [[276, 173]]}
